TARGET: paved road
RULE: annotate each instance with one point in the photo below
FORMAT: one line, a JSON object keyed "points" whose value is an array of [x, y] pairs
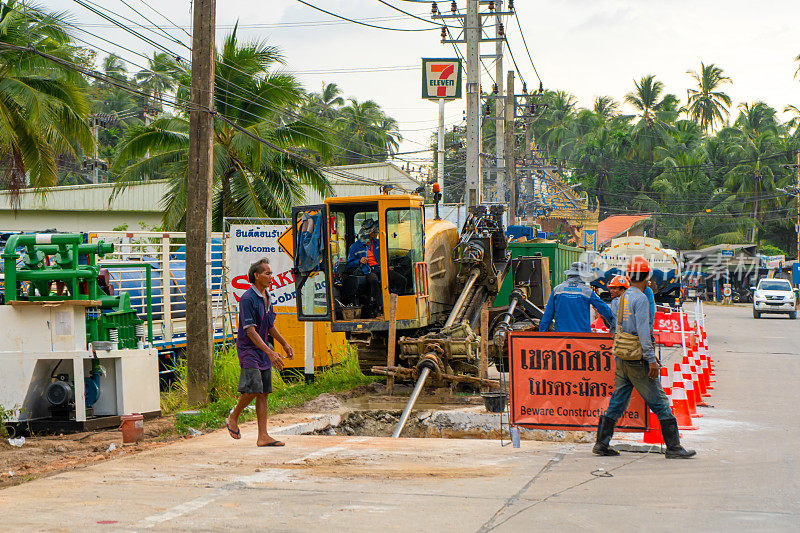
{"points": [[745, 476]]}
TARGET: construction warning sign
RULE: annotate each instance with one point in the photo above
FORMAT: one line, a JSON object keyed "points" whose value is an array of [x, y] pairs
{"points": [[564, 381], [441, 78]]}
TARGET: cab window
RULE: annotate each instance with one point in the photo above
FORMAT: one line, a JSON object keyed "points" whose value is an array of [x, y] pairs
{"points": [[404, 240]]}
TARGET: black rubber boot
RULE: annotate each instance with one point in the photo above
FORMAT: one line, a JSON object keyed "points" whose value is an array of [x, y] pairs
{"points": [[605, 430], [669, 430]]}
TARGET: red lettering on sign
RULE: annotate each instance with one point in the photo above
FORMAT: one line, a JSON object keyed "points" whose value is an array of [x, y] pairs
{"points": [[565, 380], [286, 277], [240, 282]]}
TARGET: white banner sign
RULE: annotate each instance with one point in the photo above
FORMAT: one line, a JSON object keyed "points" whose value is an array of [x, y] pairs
{"points": [[247, 244]]}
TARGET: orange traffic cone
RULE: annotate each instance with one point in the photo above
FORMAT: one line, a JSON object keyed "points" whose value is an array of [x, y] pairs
{"points": [[653, 435], [705, 371], [680, 407], [666, 384], [698, 372], [688, 385], [698, 388]]}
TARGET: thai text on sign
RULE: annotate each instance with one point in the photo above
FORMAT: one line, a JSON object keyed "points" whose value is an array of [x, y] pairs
{"points": [[564, 381]]}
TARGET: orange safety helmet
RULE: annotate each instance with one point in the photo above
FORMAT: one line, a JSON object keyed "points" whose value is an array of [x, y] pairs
{"points": [[638, 265], [620, 281]]}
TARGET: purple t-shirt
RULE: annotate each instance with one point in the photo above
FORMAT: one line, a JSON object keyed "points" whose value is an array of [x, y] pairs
{"points": [[254, 310]]}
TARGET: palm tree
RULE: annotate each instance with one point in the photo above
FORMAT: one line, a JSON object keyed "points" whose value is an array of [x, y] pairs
{"points": [[250, 178], [366, 133], [797, 72], [327, 102], [114, 67], [756, 118], [707, 104], [159, 78], [754, 178], [605, 107], [655, 114], [42, 104], [646, 99], [555, 124]]}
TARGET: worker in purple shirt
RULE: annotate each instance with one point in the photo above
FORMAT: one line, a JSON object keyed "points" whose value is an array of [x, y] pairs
{"points": [[256, 356]]}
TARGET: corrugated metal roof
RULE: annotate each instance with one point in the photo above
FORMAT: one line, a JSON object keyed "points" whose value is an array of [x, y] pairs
{"points": [[146, 197], [141, 197]]}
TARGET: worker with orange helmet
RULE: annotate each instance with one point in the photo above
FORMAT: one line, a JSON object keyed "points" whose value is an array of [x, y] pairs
{"points": [[616, 287], [634, 318]]}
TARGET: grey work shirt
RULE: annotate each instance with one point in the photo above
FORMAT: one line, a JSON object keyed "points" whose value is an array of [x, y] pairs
{"points": [[634, 316]]}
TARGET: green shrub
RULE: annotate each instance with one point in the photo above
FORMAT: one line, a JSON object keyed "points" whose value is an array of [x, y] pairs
{"points": [[288, 390]]}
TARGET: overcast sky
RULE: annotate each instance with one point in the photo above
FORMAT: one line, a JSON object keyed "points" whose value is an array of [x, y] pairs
{"points": [[586, 47]]}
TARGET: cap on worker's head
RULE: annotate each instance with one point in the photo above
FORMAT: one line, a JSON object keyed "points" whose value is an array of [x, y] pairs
{"points": [[620, 281], [574, 270], [368, 227], [638, 265]]}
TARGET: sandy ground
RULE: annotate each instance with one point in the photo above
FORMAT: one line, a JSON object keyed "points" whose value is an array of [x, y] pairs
{"points": [[47, 455]]}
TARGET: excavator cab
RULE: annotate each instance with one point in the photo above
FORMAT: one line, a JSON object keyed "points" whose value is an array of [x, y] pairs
{"points": [[331, 281]]}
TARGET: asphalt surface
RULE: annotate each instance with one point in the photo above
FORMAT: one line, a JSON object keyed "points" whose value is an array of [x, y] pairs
{"points": [[744, 477]]}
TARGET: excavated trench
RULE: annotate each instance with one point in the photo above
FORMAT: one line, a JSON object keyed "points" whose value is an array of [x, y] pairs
{"points": [[468, 423]]}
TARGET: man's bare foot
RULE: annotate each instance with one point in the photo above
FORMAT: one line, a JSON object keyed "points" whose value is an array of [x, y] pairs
{"points": [[268, 441], [233, 429]]}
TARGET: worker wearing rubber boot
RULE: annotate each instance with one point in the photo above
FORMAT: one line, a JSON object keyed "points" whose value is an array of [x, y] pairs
{"points": [[616, 287], [636, 366], [568, 305]]}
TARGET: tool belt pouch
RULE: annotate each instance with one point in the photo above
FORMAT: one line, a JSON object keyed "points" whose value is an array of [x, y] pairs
{"points": [[626, 345]]}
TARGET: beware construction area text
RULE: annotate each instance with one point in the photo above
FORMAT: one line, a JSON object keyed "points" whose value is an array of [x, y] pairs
{"points": [[564, 381]]}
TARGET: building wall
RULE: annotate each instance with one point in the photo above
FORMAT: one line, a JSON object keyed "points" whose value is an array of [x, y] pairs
{"points": [[96, 207]]}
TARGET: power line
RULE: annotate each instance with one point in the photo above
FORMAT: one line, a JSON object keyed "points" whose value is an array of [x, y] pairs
{"points": [[363, 23], [530, 57], [409, 14]]}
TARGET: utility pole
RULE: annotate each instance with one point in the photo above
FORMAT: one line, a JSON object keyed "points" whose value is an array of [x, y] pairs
{"points": [[528, 158], [500, 141], [472, 31], [199, 347], [96, 135], [511, 161], [797, 201]]}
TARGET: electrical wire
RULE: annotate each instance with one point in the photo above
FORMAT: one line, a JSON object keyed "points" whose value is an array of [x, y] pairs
{"points": [[363, 23], [524, 42], [410, 14]]}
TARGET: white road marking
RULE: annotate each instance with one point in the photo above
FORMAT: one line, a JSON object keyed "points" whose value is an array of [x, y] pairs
{"points": [[258, 477], [180, 510]]}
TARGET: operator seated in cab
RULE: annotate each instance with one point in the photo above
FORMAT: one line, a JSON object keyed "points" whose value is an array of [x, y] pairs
{"points": [[363, 259]]}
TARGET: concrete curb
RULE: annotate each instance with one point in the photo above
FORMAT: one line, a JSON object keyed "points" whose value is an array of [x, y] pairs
{"points": [[304, 428]]}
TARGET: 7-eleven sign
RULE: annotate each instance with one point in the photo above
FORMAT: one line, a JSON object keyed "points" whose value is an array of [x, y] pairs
{"points": [[441, 78]]}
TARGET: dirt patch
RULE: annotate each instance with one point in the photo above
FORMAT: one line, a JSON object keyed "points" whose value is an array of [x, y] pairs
{"points": [[357, 468], [323, 403], [47, 455], [453, 424], [51, 454]]}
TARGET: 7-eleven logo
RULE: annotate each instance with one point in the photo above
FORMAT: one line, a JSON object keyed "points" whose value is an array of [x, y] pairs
{"points": [[445, 72], [441, 78]]}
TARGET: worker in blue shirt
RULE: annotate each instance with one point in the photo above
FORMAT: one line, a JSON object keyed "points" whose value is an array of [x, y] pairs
{"points": [[569, 304]]}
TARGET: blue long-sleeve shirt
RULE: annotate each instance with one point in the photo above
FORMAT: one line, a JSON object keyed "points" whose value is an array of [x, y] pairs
{"points": [[569, 306], [635, 318], [358, 250]]}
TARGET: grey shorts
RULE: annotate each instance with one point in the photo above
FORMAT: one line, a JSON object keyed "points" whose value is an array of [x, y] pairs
{"points": [[255, 381]]}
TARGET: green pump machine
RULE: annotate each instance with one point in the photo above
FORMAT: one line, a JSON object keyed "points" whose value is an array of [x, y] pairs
{"points": [[52, 270], [54, 283]]}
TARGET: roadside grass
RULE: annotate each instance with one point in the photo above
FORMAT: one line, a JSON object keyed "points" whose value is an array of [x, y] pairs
{"points": [[288, 391]]}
